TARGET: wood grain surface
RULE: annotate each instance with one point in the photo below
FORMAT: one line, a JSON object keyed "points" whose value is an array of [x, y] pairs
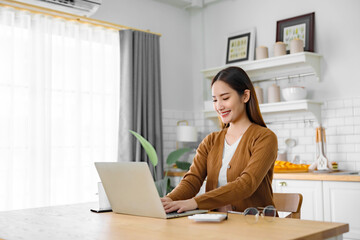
{"points": [[317, 176], [77, 222]]}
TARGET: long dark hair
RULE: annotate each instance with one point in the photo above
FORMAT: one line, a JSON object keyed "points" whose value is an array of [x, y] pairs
{"points": [[238, 80]]}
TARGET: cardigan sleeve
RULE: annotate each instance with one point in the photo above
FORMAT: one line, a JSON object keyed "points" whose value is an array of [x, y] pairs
{"points": [[263, 154], [194, 178]]}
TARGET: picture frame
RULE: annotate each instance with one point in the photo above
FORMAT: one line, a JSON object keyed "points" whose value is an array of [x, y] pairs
{"points": [[301, 27], [240, 46]]}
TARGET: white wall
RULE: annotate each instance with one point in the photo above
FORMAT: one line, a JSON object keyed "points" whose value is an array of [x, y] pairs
{"points": [[337, 34], [174, 25], [196, 39]]}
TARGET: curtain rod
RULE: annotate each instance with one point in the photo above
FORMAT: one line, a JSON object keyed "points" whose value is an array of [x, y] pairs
{"points": [[67, 16]]}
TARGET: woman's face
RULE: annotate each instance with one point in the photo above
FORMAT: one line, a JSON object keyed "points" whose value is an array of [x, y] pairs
{"points": [[227, 102]]}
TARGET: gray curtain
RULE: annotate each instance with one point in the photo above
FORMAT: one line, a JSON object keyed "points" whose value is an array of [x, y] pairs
{"points": [[140, 96]]}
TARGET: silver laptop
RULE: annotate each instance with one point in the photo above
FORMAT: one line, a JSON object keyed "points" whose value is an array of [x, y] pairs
{"points": [[130, 189]]}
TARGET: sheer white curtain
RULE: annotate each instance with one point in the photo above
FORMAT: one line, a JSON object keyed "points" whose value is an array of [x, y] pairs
{"points": [[59, 100]]}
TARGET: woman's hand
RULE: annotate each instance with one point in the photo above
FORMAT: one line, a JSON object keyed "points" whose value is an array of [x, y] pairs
{"points": [[165, 200], [179, 206]]}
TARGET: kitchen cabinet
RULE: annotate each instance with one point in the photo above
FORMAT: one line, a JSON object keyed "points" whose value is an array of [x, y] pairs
{"points": [[312, 206], [341, 204], [325, 199]]}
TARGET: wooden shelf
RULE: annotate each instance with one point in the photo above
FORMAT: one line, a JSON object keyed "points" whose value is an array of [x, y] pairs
{"points": [[291, 106], [266, 69]]}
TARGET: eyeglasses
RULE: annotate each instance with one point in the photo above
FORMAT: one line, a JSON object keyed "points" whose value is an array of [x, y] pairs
{"points": [[252, 214]]}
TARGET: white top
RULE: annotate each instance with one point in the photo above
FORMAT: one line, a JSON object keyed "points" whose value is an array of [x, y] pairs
{"points": [[228, 153]]}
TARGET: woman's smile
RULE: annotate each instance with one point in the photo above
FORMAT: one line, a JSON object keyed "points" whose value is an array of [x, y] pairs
{"points": [[224, 114]]}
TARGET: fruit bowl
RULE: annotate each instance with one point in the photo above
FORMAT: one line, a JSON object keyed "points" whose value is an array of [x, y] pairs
{"points": [[294, 93]]}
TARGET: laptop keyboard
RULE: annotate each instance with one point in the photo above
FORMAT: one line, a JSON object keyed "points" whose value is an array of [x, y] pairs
{"points": [[174, 213], [186, 213]]}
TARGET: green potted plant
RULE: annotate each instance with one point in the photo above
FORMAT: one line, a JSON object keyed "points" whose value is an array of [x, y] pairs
{"points": [[163, 185]]}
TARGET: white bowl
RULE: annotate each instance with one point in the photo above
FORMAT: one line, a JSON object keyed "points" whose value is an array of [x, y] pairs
{"points": [[294, 93]]}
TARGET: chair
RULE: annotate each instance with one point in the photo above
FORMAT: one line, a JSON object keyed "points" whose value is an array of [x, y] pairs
{"points": [[288, 202]]}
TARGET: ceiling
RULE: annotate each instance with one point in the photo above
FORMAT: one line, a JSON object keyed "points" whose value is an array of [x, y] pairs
{"points": [[188, 3], [176, 3]]}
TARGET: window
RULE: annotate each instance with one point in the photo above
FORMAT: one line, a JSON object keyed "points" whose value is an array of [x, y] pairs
{"points": [[59, 106]]}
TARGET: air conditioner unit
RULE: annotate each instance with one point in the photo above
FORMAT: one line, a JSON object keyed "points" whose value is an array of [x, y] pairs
{"points": [[78, 7]]}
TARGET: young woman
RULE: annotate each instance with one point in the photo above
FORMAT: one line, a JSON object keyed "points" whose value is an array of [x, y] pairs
{"points": [[238, 161]]}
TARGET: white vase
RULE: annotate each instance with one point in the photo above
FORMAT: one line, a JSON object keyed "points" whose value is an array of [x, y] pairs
{"points": [[279, 49], [273, 93], [261, 52], [259, 94], [296, 45]]}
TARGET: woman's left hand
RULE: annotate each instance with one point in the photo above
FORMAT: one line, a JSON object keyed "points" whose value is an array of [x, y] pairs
{"points": [[180, 206]]}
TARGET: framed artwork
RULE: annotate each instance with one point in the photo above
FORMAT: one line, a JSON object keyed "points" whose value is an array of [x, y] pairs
{"points": [[301, 27], [240, 46]]}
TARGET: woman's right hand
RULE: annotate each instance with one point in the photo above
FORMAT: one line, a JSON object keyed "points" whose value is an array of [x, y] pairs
{"points": [[179, 206], [165, 200]]}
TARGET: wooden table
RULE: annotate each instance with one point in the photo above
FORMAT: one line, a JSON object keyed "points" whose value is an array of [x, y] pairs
{"points": [[76, 222]]}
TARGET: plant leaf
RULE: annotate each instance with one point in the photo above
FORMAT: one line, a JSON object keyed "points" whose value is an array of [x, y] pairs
{"points": [[149, 149], [183, 165], [162, 186], [175, 155]]}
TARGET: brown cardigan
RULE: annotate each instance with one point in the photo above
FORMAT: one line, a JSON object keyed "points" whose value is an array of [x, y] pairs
{"points": [[249, 176]]}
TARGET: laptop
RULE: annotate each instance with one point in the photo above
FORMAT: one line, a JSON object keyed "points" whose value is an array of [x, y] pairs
{"points": [[131, 190]]}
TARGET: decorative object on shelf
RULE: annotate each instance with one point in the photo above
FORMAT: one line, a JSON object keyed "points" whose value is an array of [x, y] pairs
{"points": [[240, 46], [259, 94], [262, 52], [294, 93], [296, 45], [301, 27], [279, 49], [185, 133], [273, 93]]}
